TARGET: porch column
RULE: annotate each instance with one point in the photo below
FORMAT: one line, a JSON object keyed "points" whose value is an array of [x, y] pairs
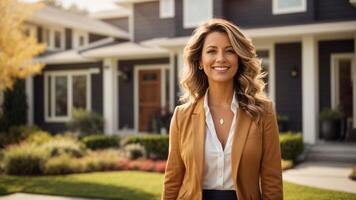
{"points": [[310, 89], [29, 96], [110, 95]]}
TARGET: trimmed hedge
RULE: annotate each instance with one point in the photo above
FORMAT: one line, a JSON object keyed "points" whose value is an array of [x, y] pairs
{"points": [[101, 141], [156, 146], [291, 145]]}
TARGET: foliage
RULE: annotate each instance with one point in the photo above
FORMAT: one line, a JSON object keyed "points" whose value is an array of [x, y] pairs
{"points": [[135, 151], [72, 8], [287, 164], [353, 173], [14, 107], [39, 137], [101, 161], [156, 146], [64, 146], [86, 122], [17, 49], [101, 141], [291, 145], [330, 114], [63, 164], [24, 159], [16, 134]]}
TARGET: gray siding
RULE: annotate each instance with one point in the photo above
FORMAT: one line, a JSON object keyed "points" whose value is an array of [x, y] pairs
{"points": [[122, 22], [148, 24], [326, 48], [95, 37], [96, 90], [126, 89], [289, 89], [335, 10]]}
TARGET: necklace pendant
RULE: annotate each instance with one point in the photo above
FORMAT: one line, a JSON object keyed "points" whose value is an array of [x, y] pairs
{"points": [[221, 121]]}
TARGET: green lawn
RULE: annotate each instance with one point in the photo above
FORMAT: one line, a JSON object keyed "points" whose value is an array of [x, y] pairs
{"points": [[128, 185]]}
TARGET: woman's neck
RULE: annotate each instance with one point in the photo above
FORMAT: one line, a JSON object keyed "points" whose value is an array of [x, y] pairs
{"points": [[220, 94]]}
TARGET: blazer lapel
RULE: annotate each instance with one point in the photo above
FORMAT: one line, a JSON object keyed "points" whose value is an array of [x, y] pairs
{"points": [[243, 124], [198, 129]]}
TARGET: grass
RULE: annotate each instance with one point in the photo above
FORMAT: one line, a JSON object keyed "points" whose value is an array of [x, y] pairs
{"points": [[129, 185]]}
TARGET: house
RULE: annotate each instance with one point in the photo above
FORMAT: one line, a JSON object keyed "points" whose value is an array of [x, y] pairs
{"points": [[130, 64]]}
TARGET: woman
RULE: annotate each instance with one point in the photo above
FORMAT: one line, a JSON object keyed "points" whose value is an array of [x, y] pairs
{"points": [[224, 140]]}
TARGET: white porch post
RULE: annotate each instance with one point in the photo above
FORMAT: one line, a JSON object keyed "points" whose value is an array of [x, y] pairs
{"points": [[29, 95], [310, 88], [110, 95]]}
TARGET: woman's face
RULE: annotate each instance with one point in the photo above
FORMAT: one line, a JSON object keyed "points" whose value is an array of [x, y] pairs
{"points": [[219, 60]]}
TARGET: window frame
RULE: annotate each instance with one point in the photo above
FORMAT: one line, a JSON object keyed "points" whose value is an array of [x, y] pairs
{"points": [[76, 38], [192, 24], [69, 75], [167, 13], [51, 40], [295, 9]]}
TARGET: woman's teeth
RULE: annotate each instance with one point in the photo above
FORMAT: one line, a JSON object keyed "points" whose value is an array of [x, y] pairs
{"points": [[220, 68]]}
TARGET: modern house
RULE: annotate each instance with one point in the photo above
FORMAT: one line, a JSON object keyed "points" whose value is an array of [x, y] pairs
{"points": [[126, 65]]}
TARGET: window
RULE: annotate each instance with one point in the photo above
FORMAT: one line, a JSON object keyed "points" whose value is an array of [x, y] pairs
{"points": [[80, 39], [166, 8], [65, 91], [54, 38], [196, 11], [289, 6]]}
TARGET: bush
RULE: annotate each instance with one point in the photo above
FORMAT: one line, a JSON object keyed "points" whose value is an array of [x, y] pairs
{"points": [[291, 145], [156, 146], [39, 137], [62, 145], [24, 159], [16, 134], [287, 164], [63, 164], [101, 161], [353, 173], [86, 122], [135, 151], [101, 141]]}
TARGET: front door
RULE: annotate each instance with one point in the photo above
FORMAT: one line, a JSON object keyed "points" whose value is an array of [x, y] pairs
{"points": [[149, 97]]}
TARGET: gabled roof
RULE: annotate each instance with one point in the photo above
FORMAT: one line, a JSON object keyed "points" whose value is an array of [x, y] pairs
{"points": [[126, 50], [53, 16], [110, 14], [131, 1]]}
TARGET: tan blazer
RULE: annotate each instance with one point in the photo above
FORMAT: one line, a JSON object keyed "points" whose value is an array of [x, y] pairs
{"points": [[255, 157]]}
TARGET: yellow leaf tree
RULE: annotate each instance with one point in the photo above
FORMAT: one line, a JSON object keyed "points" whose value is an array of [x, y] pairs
{"points": [[16, 48]]}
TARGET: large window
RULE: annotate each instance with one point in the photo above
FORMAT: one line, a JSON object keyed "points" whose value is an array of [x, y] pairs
{"points": [[289, 6], [196, 12], [166, 8], [65, 91]]}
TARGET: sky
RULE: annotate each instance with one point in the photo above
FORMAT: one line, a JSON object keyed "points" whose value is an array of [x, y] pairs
{"points": [[90, 5]]}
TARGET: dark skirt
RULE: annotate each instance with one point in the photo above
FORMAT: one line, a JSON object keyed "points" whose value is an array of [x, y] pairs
{"points": [[219, 195]]}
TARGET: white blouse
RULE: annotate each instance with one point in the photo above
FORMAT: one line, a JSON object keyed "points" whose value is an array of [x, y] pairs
{"points": [[217, 162]]}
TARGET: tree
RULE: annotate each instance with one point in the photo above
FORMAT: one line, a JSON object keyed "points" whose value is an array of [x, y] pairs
{"points": [[16, 48]]}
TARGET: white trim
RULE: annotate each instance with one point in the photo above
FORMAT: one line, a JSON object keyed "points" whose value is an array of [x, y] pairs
{"points": [[137, 68], [110, 95], [29, 94], [310, 88], [51, 40], [296, 9], [172, 81], [163, 12], [131, 20], [189, 23], [334, 80], [69, 75]]}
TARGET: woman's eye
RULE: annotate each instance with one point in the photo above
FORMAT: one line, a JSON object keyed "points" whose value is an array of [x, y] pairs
{"points": [[230, 51], [210, 51]]}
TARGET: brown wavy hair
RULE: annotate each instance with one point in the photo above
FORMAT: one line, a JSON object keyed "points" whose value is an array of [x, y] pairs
{"points": [[248, 81]]}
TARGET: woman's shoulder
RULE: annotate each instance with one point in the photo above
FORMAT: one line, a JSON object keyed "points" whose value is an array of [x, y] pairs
{"points": [[267, 105]]}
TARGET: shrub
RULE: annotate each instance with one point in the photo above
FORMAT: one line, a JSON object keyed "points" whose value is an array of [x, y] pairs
{"points": [[63, 164], [160, 166], [291, 145], [100, 161], [135, 151], [101, 141], [16, 134], [353, 173], [156, 146], [24, 159], [62, 145], [39, 137], [287, 164], [86, 122], [330, 114]]}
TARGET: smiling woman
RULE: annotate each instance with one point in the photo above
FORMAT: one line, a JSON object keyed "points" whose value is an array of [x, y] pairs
{"points": [[224, 140]]}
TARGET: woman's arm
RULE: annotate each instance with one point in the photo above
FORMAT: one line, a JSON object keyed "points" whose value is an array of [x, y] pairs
{"points": [[271, 172], [175, 169]]}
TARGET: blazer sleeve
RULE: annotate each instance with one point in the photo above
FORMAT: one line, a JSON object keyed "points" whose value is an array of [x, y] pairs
{"points": [[175, 168], [271, 172]]}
